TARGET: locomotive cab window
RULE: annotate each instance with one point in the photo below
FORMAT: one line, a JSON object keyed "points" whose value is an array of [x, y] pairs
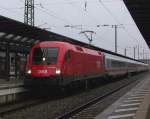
{"points": [[67, 56], [45, 56]]}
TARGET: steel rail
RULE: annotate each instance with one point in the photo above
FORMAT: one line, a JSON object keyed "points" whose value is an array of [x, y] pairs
{"points": [[4, 110], [78, 109]]}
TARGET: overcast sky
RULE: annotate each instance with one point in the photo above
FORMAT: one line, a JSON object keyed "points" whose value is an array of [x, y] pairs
{"points": [[55, 14]]}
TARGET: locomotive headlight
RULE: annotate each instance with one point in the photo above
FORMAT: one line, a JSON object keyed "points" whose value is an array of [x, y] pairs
{"points": [[58, 71], [43, 58], [29, 71]]}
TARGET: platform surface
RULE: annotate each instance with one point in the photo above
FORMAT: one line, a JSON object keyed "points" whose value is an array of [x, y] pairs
{"points": [[4, 83], [133, 105]]}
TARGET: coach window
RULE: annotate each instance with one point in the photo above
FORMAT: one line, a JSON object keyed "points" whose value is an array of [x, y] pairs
{"points": [[67, 56], [108, 63]]}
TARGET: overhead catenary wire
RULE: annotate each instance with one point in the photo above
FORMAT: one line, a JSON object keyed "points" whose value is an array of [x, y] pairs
{"points": [[127, 32], [108, 11], [118, 22], [52, 15], [70, 3], [48, 12], [85, 10], [10, 10], [79, 11], [81, 1], [102, 39]]}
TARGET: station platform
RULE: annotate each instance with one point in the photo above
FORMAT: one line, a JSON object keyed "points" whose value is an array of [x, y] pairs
{"points": [[133, 105], [11, 91], [4, 83]]}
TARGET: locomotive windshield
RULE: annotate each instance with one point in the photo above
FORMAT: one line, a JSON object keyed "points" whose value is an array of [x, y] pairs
{"points": [[45, 56]]}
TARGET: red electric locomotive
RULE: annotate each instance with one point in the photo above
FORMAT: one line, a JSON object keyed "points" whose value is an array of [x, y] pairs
{"points": [[61, 63]]}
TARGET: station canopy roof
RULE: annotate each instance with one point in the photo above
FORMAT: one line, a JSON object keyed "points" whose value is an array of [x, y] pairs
{"points": [[140, 11]]}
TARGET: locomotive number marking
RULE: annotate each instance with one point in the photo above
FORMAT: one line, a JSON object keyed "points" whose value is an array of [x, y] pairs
{"points": [[42, 71]]}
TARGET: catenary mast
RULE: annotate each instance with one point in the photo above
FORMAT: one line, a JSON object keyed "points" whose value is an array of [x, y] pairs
{"points": [[29, 12]]}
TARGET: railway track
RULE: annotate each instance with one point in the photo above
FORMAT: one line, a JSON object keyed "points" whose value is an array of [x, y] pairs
{"points": [[4, 110], [28, 101], [86, 109]]}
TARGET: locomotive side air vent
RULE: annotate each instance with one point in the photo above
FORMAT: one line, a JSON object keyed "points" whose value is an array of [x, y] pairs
{"points": [[79, 48]]}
